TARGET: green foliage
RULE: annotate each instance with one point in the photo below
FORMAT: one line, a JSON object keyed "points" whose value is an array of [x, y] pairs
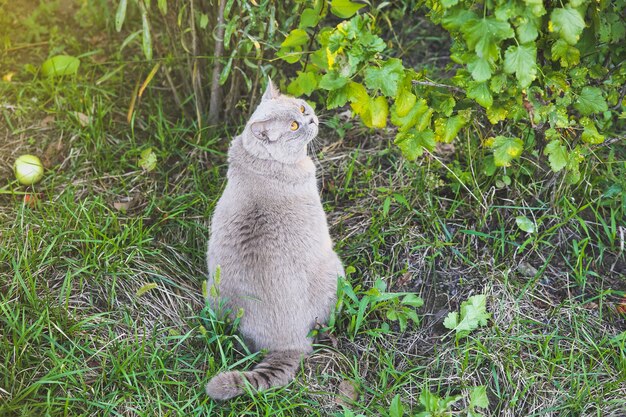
{"points": [[435, 406], [473, 314], [362, 306], [538, 71]]}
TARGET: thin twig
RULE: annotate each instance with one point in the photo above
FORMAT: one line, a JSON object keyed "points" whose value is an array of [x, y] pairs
{"points": [[30, 45]]}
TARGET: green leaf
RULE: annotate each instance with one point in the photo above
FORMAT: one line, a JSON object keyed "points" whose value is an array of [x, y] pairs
{"points": [[525, 224], [162, 5], [480, 92], [478, 397], [590, 132], [60, 65], [447, 129], [473, 314], [451, 320], [412, 300], [527, 31], [537, 7], [309, 18], [480, 69], [385, 78], [148, 160], [344, 8], [568, 23], [484, 35], [146, 37], [120, 14], [413, 143], [296, 37], [449, 3], [557, 155], [204, 21], [333, 81], [396, 409], [386, 206], [568, 55], [590, 101], [337, 98], [505, 149], [305, 83], [521, 60]]}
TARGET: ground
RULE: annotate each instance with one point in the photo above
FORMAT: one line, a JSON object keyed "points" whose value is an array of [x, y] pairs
{"points": [[101, 278]]}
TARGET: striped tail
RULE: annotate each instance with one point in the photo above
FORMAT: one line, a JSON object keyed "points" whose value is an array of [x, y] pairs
{"points": [[275, 370]]}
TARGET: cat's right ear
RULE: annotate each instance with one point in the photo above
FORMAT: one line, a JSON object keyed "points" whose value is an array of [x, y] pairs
{"points": [[261, 129], [271, 92]]}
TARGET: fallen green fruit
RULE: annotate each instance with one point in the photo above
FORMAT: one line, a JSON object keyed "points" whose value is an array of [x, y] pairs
{"points": [[28, 169]]}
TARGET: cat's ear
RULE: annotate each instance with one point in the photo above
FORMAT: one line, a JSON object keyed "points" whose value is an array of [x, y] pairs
{"points": [[271, 92], [261, 129]]}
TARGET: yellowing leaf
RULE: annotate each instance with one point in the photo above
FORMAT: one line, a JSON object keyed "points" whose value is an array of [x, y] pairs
{"points": [[505, 149], [409, 120], [496, 114], [8, 76], [376, 116], [358, 97], [405, 102], [590, 133]]}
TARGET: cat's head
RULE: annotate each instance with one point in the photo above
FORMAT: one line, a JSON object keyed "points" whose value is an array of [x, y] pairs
{"points": [[280, 128]]}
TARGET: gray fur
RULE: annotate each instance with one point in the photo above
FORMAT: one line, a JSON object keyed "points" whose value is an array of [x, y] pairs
{"points": [[270, 238]]}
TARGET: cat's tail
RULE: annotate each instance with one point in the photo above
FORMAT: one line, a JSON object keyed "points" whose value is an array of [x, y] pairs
{"points": [[276, 369]]}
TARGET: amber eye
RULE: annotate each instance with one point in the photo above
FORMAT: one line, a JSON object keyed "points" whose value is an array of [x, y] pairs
{"points": [[294, 125], [301, 109]]}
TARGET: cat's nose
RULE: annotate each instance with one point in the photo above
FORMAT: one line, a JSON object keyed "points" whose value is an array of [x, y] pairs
{"points": [[313, 119]]}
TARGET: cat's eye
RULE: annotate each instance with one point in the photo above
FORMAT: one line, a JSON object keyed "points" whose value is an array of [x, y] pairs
{"points": [[301, 109], [294, 125]]}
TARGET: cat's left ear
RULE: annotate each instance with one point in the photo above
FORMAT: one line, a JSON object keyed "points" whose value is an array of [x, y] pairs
{"points": [[262, 130], [271, 92]]}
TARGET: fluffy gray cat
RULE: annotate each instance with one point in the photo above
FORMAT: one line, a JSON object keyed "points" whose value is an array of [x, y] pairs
{"points": [[270, 239]]}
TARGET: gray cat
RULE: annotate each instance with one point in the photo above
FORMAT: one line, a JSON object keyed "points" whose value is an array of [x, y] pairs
{"points": [[270, 239]]}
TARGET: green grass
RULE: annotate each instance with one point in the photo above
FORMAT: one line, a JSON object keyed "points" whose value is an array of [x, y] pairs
{"points": [[79, 336]]}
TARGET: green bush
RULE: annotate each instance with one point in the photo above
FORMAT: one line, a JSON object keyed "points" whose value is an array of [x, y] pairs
{"points": [[547, 75]]}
